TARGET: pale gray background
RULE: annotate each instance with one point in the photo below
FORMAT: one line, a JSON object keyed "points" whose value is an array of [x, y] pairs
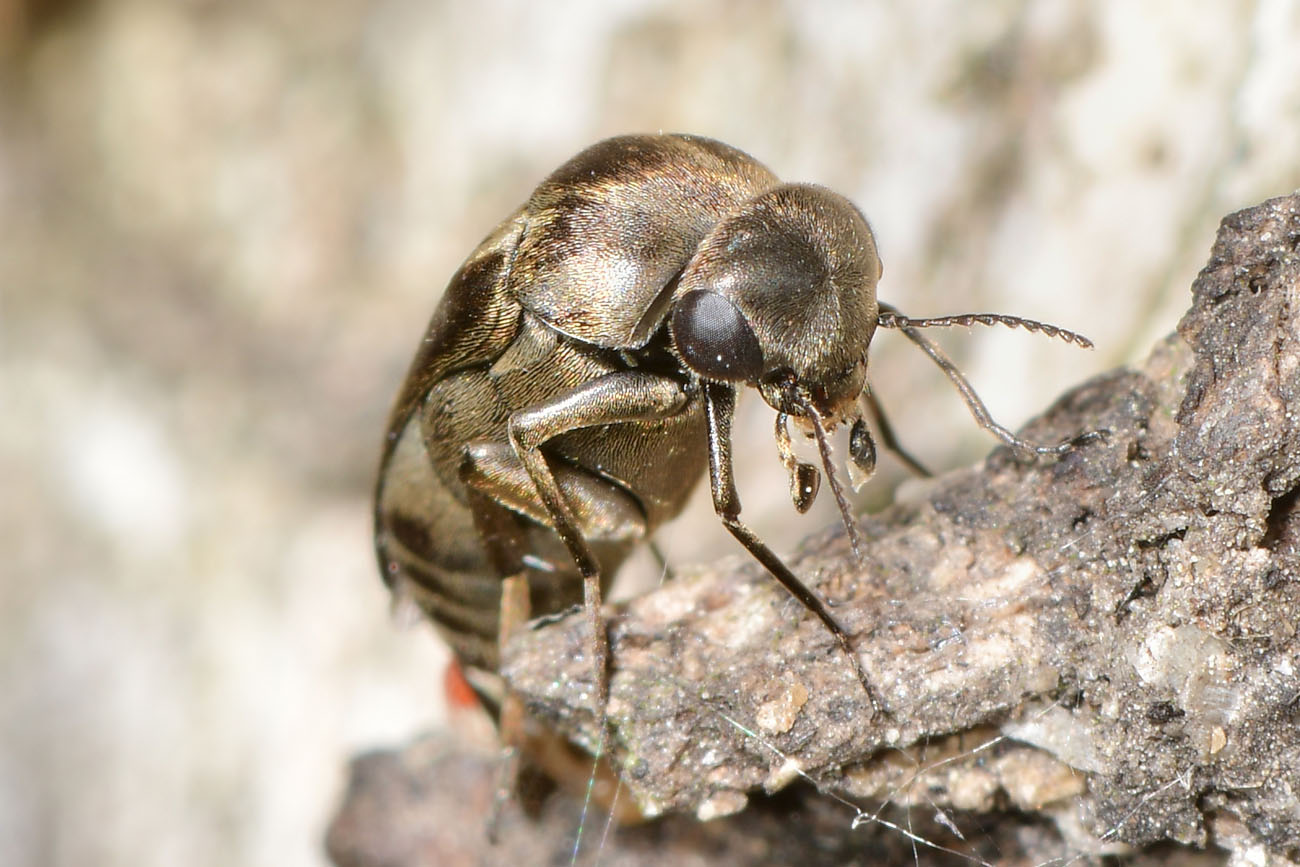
{"points": [[224, 224]]}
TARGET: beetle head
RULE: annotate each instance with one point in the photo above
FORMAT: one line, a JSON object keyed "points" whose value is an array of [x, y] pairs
{"points": [[781, 296]]}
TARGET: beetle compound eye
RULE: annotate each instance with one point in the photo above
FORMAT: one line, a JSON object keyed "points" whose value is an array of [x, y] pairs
{"points": [[714, 338]]}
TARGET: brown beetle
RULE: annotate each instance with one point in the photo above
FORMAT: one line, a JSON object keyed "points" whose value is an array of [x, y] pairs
{"points": [[581, 373]]}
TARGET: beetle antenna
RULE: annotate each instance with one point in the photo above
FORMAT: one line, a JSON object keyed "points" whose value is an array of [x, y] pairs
{"points": [[976, 406], [891, 318], [824, 446]]}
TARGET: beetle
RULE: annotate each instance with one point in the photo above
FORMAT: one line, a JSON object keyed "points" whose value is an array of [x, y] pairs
{"points": [[581, 371]]}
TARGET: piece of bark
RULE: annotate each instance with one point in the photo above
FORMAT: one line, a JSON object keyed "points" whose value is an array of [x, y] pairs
{"points": [[1107, 639], [427, 806]]}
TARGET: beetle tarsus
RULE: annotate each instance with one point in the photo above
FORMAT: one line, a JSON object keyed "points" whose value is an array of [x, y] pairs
{"points": [[599, 648], [1102, 435]]}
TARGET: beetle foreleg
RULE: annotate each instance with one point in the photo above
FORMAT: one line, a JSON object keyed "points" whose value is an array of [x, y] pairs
{"points": [[888, 439], [720, 407]]}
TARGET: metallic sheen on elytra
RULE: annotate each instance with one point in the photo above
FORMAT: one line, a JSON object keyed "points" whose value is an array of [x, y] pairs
{"points": [[580, 375]]}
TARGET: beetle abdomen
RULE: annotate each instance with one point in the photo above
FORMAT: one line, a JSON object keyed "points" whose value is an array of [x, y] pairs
{"points": [[432, 553]]}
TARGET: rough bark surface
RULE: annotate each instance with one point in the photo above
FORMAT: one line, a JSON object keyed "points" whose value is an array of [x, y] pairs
{"points": [[1083, 656]]}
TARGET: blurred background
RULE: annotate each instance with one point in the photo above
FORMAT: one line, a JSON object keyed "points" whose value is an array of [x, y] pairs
{"points": [[224, 224]]}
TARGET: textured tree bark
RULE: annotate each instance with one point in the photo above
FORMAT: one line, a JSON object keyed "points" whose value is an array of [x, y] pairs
{"points": [[1088, 655]]}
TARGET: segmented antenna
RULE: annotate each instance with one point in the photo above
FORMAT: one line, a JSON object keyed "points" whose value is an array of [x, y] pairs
{"points": [[828, 465], [889, 318]]}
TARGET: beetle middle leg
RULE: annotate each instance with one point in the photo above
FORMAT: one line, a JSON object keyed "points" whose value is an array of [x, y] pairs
{"points": [[533, 758], [600, 509], [620, 396]]}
